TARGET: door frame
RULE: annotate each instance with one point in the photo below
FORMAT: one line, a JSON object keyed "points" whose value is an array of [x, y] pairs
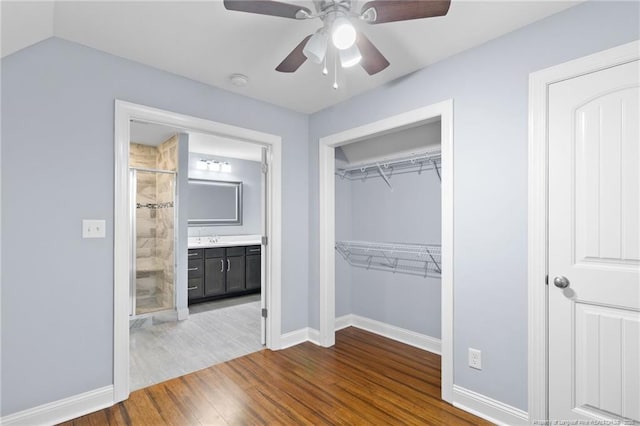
{"points": [[538, 352], [327, 146], [124, 113]]}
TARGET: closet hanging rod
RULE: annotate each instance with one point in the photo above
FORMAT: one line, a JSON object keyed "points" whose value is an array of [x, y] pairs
{"points": [[386, 169], [433, 155], [416, 259]]}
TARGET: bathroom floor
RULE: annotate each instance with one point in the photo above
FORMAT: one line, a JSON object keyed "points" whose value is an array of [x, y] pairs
{"points": [[215, 332]]}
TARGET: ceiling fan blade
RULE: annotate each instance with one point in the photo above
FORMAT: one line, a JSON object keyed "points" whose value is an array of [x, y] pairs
{"points": [[296, 58], [401, 10], [372, 60], [268, 7]]}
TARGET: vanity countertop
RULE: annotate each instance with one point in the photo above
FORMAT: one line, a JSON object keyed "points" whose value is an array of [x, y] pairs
{"points": [[224, 241]]}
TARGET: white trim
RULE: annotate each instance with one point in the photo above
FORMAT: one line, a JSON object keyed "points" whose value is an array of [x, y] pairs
{"points": [[314, 336], [537, 211], [124, 112], [344, 321], [183, 314], [327, 145], [411, 338], [63, 409], [420, 341], [293, 338], [488, 408]]}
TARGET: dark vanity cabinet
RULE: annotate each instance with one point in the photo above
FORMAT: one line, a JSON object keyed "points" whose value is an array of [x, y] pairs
{"points": [[195, 270], [235, 269], [214, 272], [253, 267], [223, 272]]}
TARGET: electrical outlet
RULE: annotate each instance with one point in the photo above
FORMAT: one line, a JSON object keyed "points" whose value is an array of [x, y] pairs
{"points": [[475, 359], [93, 228]]}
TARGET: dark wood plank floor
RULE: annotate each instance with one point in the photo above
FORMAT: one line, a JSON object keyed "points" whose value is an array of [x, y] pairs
{"points": [[363, 379]]}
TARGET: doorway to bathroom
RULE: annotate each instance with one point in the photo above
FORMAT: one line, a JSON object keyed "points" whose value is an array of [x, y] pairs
{"points": [[184, 311]]}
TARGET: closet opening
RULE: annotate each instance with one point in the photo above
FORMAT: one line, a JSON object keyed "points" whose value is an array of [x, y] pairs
{"points": [[386, 232]]}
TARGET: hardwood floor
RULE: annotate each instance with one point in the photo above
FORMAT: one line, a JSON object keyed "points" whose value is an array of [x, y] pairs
{"points": [[363, 379]]}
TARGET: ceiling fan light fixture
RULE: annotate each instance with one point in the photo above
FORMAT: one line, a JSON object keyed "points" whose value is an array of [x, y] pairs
{"points": [[369, 15], [343, 34], [316, 47], [350, 57]]}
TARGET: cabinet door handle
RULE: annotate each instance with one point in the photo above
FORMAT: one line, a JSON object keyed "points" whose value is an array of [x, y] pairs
{"points": [[192, 288], [228, 265], [221, 265], [192, 269], [193, 254]]}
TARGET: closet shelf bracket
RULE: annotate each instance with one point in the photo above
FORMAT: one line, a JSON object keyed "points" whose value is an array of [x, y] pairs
{"points": [[385, 169], [414, 259], [386, 179]]}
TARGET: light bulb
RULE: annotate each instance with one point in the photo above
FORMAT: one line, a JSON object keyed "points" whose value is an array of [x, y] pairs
{"points": [[225, 167], [343, 34], [214, 166], [316, 47], [202, 165], [350, 57]]}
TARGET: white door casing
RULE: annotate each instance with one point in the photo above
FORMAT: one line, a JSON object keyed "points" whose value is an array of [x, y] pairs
{"points": [[594, 241], [538, 210], [124, 113], [327, 146]]}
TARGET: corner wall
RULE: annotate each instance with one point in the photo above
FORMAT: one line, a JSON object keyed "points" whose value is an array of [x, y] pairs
{"points": [[489, 87], [58, 168]]}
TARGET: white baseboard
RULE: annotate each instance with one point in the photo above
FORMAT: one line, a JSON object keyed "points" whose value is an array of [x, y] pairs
{"points": [[307, 334], [424, 342], [314, 336], [183, 313], [489, 409], [344, 321], [294, 338], [62, 410]]}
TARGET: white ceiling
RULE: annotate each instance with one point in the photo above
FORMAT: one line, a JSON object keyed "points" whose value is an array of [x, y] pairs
{"points": [[203, 41], [150, 133], [154, 134], [223, 147]]}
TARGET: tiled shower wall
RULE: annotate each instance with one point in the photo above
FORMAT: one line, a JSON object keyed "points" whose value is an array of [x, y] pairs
{"points": [[155, 225]]}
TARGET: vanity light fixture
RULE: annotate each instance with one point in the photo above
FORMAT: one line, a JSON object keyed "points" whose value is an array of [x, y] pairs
{"points": [[213, 166]]}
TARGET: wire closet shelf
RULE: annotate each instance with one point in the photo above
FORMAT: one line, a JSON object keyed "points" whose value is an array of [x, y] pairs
{"points": [[414, 259], [415, 163]]}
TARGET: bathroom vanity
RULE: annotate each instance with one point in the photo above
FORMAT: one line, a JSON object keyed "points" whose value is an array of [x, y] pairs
{"points": [[223, 267]]}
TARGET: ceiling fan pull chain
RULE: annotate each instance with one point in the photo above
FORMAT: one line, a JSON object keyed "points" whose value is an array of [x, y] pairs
{"points": [[335, 69], [325, 71]]}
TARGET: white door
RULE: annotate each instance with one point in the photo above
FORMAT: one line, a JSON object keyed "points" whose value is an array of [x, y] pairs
{"points": [[594, 243], [263, 258]]}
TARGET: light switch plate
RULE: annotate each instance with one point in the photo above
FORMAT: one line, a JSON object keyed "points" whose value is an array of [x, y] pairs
{"points": [[92, 228]]}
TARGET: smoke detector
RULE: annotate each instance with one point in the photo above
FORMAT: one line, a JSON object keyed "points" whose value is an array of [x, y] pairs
{"points": [[239, 80]]}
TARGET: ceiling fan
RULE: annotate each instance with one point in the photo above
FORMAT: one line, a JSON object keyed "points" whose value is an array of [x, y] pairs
{"points": [[352, 46]]}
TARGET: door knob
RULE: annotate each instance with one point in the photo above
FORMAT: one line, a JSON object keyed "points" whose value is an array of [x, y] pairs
{"points": [[561, 281]]}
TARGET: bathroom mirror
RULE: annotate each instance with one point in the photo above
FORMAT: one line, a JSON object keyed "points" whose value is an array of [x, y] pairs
{"points": [[215, 202]]}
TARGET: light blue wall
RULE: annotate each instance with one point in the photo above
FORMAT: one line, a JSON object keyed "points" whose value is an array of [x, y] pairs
{"points": [[343, 232], [489, 86], [58, 168], [182, 294], [411, 213], [245, 171]]}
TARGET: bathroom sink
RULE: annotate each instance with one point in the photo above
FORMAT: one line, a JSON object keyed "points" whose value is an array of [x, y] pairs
{"points": [[224, 241]]}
